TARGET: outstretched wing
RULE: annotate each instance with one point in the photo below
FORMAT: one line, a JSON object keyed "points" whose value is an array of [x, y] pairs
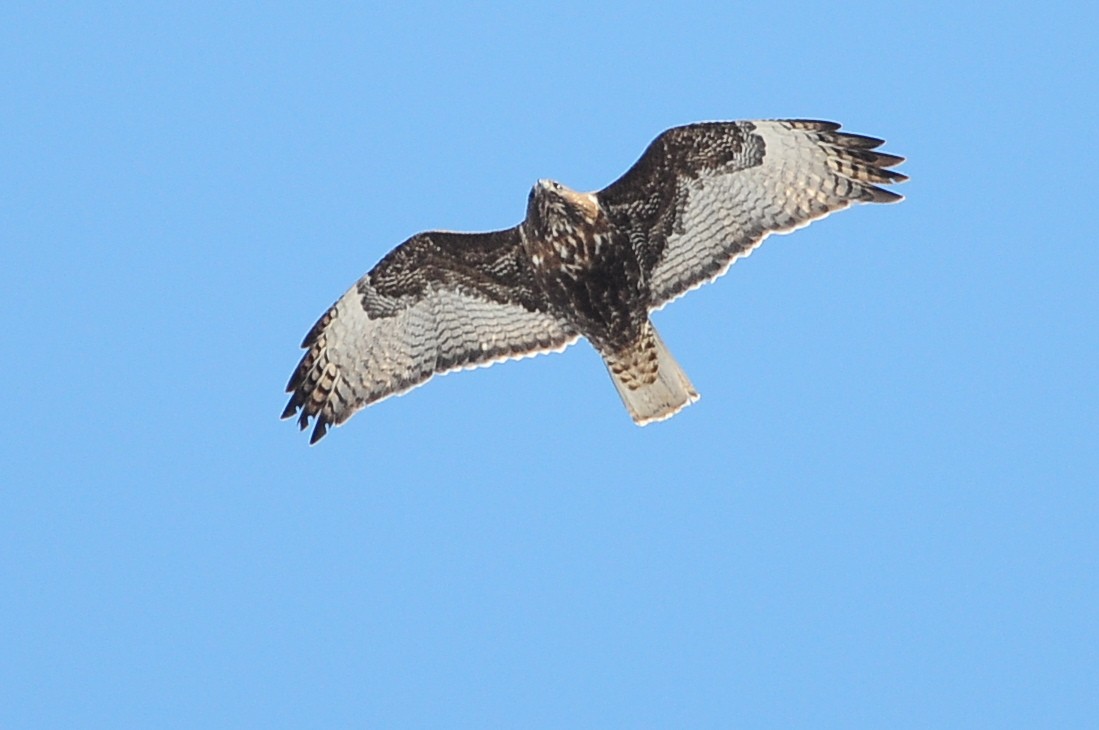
{"points": [[704, 195], [438, 302]]}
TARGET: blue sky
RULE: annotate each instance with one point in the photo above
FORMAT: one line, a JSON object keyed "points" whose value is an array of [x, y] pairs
{"points": [[882, 513]]}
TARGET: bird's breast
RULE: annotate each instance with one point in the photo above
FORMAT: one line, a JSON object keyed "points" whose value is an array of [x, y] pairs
{"points": [[568, 251], [590, 281]]}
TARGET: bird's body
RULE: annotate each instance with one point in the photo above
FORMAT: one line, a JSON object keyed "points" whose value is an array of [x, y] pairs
{"points": [[590, 265], [593, 279], [590, 275]]}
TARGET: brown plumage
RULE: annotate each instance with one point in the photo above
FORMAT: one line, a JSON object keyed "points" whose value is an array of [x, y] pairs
{"points": [[585, 264]]}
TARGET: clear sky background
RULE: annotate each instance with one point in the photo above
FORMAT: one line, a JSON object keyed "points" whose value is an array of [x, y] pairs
{"points": [[882, 513]]}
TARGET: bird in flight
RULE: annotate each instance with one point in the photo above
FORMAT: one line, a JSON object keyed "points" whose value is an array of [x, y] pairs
{"points": [[592, 265]]}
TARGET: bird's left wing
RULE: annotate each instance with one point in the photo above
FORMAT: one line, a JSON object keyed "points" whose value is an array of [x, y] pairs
{"points": [[704, 195], [438, 302]]}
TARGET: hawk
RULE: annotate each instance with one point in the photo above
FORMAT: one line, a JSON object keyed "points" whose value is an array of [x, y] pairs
{"points": [[591, 265]]}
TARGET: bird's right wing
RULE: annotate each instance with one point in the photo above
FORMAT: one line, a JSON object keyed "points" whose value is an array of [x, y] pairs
{"points": [[438, 302]]}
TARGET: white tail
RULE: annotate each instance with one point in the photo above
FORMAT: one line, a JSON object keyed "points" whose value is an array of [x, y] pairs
{"points": [[650, 381]]}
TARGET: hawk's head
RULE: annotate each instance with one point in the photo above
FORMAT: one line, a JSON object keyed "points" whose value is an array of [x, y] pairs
{"points": [[553, 209]]}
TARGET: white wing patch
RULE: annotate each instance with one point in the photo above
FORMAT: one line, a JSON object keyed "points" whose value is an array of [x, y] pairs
{"points": [[356, 359]]}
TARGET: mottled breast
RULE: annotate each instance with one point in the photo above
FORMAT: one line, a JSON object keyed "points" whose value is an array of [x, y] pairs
{"points": [[590, 273]]}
